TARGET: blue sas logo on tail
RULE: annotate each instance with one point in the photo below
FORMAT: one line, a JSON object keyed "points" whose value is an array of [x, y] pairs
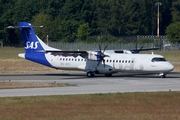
{"points": [[31, 45]]}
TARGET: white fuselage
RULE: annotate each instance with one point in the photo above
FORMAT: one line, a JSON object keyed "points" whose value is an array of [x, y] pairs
{"points": [[114, 63]]}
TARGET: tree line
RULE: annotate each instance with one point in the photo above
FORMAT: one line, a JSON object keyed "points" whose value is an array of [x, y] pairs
{"points": [[89, 20]]}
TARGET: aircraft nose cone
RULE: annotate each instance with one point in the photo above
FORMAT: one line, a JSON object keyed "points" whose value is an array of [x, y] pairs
{"points": [[170, 67]]}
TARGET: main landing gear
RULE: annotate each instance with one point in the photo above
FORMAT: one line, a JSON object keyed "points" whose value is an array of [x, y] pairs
{"points": [[108, 75], [91, 74]]}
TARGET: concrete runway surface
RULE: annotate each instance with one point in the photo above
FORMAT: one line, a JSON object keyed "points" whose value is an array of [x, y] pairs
{"points": [[121, 82]]}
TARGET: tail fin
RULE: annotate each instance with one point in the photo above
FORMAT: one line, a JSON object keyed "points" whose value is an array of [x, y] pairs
{"points": [[32, 43]]}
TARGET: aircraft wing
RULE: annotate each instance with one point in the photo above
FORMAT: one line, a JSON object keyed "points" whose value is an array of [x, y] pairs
{"points": [[134, 51], [83, 54], [143, 49]]}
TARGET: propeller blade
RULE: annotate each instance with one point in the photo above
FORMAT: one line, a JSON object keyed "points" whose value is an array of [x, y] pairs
{"points": [[104, 62], [106, 55], [141, 48], [98, 64], [100, 47], [105, 48]]}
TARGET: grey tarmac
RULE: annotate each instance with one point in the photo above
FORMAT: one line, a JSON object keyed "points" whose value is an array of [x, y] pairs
{"points": [[121, 82]]}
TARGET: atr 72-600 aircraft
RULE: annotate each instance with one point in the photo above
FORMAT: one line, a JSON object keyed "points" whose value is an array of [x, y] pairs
{"points": [[105, 62]]}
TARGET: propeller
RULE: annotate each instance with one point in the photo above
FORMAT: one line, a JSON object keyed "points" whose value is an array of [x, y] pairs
{"points": [[137, 50], [100, 55], [141, 48]]}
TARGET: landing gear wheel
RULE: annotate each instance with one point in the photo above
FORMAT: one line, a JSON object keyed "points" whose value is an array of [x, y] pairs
{"points": [[108, 75], [163, 76], [90, 74]]}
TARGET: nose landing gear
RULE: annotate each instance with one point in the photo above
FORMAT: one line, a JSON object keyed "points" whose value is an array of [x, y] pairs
{"points": [[162, 75]]}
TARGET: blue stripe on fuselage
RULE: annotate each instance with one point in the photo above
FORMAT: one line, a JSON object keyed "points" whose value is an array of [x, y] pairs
{"points": [[38, 58]]}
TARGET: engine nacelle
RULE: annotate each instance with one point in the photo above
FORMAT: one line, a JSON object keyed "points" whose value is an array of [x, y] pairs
{"points": [[92, 55], [127, 52], [106, 70]]}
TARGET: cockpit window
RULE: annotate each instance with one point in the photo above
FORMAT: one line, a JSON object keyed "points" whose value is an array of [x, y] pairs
{"points": [[158, 59]]}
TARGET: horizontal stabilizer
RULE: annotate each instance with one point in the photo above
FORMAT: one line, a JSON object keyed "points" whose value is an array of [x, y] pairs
{"points": [[15, 27]]}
